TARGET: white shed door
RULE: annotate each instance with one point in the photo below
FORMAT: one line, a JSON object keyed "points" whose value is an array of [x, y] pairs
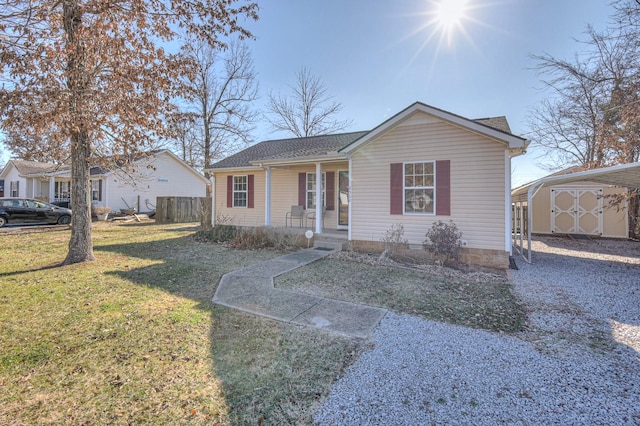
{"points": [[576, 211]]}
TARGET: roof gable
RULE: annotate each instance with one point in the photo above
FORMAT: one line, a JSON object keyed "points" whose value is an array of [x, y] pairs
{"points": [[25, 167], [495, 128]]}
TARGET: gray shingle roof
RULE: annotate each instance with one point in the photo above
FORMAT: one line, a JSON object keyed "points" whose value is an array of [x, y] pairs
{"points": [[288, 148], [498, 123], [315, 145], [28, 167]]}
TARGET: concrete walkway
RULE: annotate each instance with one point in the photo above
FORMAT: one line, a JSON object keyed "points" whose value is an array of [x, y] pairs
{"points": [[251, 289]]}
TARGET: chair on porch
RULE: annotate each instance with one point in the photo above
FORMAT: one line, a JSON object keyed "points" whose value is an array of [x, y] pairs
{"points": [[297, 214], [312, 216]]}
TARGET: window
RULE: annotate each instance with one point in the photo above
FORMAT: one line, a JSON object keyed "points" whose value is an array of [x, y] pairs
{"points": [[419, 187], [14, 188], [311, 190], [96, 190], [240, 191]]}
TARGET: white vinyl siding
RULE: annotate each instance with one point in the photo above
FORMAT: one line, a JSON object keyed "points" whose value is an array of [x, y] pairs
{"points": [[477, 182], [237, 216]]}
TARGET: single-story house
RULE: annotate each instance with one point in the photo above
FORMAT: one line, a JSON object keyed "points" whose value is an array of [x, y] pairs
{"points": [[159, 174], [422, 165], [580, 207]]}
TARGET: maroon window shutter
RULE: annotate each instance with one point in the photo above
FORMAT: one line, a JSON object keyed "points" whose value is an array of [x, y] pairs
{"points": [[302, 190], [396, 188], [229, 191], [330, 190], [250, 191], [443, 187]]}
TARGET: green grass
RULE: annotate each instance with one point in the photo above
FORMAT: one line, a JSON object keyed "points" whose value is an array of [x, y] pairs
{"points": [[134, 339]]}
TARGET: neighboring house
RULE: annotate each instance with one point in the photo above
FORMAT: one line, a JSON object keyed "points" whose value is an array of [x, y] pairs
{"points": [[160, 174], [580, 207], [420, 166]]}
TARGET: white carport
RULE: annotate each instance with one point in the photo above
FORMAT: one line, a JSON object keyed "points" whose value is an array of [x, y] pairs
{"points": [[624, 175]]}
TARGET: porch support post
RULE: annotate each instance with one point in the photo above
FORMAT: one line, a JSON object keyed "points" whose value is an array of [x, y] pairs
{"points": [[318, 198], [267, 197], [52, 189]]}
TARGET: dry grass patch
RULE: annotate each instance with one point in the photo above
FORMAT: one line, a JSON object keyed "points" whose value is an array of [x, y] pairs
{"points": [[134, 339], [474, 299]]}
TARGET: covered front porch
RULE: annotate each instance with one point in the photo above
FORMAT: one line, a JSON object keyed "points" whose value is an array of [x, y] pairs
{"points": [[49, 188], [320, 201], [300, 196]]}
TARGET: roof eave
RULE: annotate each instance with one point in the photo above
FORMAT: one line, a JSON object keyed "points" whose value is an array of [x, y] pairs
{"points": [[230, 169], [298, 160], [595, 175]]}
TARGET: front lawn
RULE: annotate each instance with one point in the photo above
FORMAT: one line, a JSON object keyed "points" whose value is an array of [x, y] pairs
{"points": [[133, 338]]}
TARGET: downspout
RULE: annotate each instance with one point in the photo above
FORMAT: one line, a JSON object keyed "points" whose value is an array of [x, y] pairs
{"points": [[319, 203], [212, 179], [349, 235], [507, 208], [267, 196]]}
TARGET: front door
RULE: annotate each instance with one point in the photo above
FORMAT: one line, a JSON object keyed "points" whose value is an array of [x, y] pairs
{"points": [[343, 199]]}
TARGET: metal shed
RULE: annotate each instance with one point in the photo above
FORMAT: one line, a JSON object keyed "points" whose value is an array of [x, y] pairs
{"points": [[623, 175]]}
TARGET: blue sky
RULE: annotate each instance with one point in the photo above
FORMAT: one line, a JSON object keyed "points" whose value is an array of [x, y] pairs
{"points": [[377, 57]]}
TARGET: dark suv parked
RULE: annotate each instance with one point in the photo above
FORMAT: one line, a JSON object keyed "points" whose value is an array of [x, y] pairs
{"points": [[26, 210]]}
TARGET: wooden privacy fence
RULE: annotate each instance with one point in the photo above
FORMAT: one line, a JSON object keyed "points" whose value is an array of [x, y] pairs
{"points": [[182, 209]]}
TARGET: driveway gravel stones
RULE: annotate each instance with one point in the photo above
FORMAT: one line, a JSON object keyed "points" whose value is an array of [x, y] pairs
{"points": [[577, 363]]}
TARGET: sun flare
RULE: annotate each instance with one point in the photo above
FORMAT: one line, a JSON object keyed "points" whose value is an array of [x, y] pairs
{"points": [[450, 13]]}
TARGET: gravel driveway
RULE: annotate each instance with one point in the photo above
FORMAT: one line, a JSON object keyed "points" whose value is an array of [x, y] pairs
{"points": [[578, 362]]}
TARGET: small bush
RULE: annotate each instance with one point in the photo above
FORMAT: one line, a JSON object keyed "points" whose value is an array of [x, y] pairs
{"points": [[394, 240], [283, 241], [443, 240], [217, 234], [253, 238], [247, 239]]}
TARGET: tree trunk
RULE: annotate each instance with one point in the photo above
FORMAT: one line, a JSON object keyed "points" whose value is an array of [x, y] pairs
{"points": [[80, 245]]}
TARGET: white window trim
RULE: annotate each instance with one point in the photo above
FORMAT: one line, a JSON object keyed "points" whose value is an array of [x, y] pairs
{"points": [[245, 191], [14, 187], [404, 188], [307, 191], [95, 182]]}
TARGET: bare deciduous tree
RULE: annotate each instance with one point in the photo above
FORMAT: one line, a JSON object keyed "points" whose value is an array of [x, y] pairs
{"points": [[221, 109], [592, 117], [307, 111], [95, 74]]}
